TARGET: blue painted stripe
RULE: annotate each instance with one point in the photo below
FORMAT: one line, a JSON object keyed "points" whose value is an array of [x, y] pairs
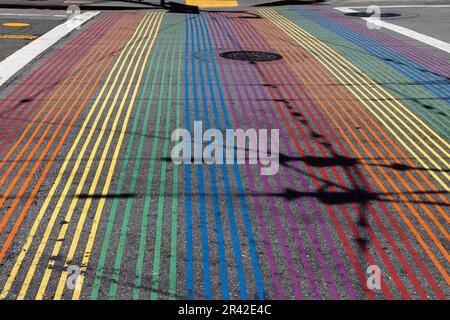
{"points": [[189, 265], [203, 222], [438, 85], [222, 260], [248, 226], [234, 233]]}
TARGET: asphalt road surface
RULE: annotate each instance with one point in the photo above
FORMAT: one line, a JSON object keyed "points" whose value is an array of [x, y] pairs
{"points": [[92, 205]]}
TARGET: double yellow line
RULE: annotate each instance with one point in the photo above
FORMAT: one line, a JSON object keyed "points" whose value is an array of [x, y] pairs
{"points": [[141, 42]]}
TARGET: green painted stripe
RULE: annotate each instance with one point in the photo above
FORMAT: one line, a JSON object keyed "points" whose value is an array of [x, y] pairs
{"points": [[148, 192], [135, 175], [113, 213], [380, 72], [162, 184], [173, 231]]}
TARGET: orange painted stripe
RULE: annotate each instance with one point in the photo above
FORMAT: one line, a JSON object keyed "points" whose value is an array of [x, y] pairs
{"points": [[370, 231], [113, 38], [79, 72], [320, 70], [242, 30]]}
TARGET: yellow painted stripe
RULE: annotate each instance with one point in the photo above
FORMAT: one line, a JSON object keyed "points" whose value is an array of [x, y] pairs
{"points": [[129, 46], [38, 218], [143, 41], [362, 95], [212, 3], [306, 42], [389, 98], [17, 36], [16, 24], [98, 214]]}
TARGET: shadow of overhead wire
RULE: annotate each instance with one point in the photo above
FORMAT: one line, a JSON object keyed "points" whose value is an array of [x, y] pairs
{"points": [[346, 197], [105, 196]]}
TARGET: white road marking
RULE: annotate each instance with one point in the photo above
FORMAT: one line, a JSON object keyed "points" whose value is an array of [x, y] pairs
{"points": [[406, 6], [346, 9], [77, 1], [439, 44], [12, 64]]}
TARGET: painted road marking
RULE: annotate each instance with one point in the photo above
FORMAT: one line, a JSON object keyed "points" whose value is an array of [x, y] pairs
{"points": [[77, 2], [212, 3], [248, 234], [406, 6], [55, 213], [16, 24], [299, 36], [287, 211], [334, 112], [439, 44], [325, 108], [39, 218], [103, 106], [127, 214], [419, 139], [17, 36], [19, 59], [409, 65], [32, 15], [150, 33]]}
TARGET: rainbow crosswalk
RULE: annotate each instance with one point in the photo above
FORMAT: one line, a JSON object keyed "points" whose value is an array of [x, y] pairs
{"points": [[87, 182]]}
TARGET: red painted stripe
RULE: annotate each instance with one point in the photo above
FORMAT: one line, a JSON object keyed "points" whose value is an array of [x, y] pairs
{"points": [[97, 76], [64, 52], [62, 71], [399, 231], [403, 289], [243, 30]]}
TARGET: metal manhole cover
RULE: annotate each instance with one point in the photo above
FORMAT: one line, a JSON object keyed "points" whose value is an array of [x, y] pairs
{"points": [[245, 15], [252, 56], [367, 14]]}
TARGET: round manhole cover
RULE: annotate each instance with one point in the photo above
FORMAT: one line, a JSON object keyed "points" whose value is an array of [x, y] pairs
{"points": [[252, 56], [367, 14]]}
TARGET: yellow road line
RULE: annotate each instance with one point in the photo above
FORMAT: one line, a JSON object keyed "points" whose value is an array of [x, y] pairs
{"points": [[290, 29], [16, 24], [302, 36], [142, 43], [98, 214], [212, 3], [38, 218], [18, 36], [40, 250], [388, 98]]}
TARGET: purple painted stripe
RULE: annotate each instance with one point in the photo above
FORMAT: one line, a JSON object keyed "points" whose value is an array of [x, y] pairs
{"points": [[286, 205], [258, 209], [250, 29]]}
